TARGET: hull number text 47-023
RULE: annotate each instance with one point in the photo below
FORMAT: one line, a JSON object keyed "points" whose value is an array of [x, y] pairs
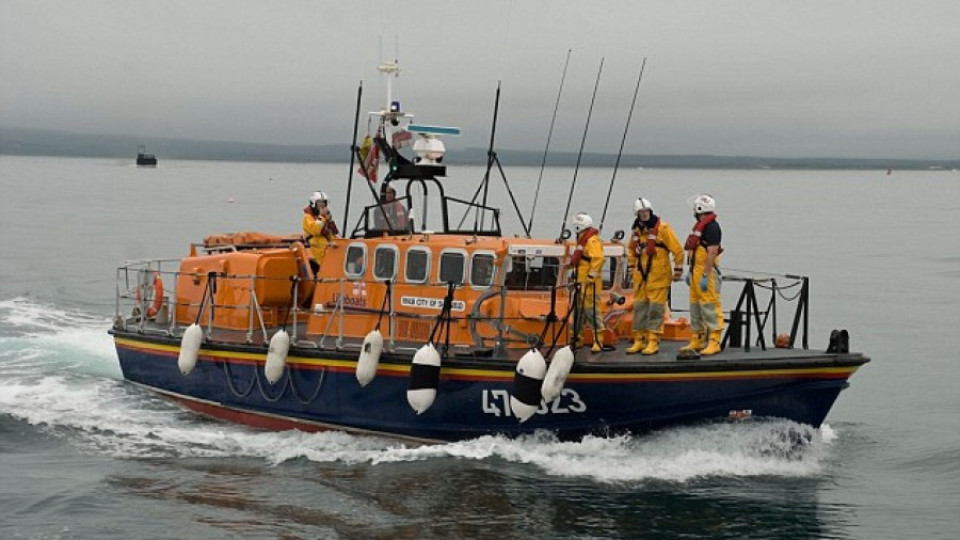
{"points": [[497, 403]]}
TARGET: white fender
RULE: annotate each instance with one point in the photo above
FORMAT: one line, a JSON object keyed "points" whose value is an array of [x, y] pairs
{"points": [[557, 374], [424, 378], [525, 397], [277, 356], [189, 348], [369, 357]]}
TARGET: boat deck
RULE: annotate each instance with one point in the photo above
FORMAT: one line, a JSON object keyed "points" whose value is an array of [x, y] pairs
{"points": [[616, 360]]}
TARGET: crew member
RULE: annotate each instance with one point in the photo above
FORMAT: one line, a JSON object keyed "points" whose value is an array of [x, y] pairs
{"points": [[703, 257], [588, 261], [319, 228], [396, 220], [651, 245]]}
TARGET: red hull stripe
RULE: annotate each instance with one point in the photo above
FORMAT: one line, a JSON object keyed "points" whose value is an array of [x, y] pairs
{"points": [[269, 421]]}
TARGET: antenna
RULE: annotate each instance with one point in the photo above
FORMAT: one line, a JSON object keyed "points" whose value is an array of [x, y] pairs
{"points": [[626, 128], [543, 164], [353, 154], [586, 126]]}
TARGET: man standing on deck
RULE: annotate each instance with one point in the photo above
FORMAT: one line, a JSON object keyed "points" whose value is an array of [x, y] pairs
{"points": [[587, 259], [651, 245], [703, 257], [319, 229]]}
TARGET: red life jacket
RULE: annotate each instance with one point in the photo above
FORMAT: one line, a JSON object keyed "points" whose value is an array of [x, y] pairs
{"points": [[399, 215], [581, 244], [650, 245], [694, 239], [329, 230]]}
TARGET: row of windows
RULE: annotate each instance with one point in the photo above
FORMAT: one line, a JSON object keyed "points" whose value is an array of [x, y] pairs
{"points": [[453, 265], [523, 273]]}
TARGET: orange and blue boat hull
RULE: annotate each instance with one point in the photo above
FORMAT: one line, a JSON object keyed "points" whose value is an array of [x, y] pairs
{"points": [[319, 391]]}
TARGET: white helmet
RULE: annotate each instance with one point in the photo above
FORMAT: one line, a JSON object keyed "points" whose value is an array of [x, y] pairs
{"points": [[582, 221], [316, 197], [703, 204], [642, 204]]}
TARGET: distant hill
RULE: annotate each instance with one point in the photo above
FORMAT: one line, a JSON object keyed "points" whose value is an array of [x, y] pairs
{"points": [[35, 142]]}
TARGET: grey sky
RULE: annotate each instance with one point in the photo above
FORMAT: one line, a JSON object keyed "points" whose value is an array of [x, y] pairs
{"points": [[872, 78]]}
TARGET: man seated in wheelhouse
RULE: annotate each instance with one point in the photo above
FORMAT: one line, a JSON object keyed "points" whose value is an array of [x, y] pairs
{"points": [[391, 215]]}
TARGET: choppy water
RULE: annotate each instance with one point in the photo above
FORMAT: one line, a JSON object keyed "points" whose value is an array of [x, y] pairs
{"points": [[83, 455]]}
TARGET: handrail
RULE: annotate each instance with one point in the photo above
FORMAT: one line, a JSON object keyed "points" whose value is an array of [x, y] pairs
{"points": [[753, 322], [746, 318]]}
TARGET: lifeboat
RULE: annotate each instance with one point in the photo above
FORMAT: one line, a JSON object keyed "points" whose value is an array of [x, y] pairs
{"points": [[446, 328]]}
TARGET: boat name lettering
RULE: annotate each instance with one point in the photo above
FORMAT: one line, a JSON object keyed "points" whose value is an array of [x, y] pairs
{"points": [[430, 303], [497, 403], [350, 301]]}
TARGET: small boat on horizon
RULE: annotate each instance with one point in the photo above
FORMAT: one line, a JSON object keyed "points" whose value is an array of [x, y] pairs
{"points": [[446, 328], [144, 159]]}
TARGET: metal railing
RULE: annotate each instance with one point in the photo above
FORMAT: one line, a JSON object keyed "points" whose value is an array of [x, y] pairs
{"points": [[748, 317]]}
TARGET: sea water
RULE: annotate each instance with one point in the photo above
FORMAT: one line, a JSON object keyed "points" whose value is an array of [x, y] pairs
{"points": [[84, 455]]}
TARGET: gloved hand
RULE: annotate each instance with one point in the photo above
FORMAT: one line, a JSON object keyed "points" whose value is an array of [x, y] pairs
{"points": [[686, 279], [703, 282]]}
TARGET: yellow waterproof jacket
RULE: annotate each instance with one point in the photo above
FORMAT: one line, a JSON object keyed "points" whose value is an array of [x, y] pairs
{"points": [[590, 270], [313, 229], [659, 273], [590, 266]]}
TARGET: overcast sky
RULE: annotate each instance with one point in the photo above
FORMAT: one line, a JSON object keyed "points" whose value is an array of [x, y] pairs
{"points": [[871, 78]]}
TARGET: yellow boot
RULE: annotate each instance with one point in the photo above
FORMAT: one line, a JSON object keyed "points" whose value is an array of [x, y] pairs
{"points": [[653, 344], [696, 342], [639, 343], [713, 347], [598, 345]]}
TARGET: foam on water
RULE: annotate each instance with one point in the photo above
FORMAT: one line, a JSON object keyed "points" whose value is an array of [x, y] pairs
{"points": [[37, 334], [58, 370]]}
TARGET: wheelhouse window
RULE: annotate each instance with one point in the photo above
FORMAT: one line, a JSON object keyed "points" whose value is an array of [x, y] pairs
{"points": [[482, 269], [532, 273], [418, 265], [452, 266], [355, 263], [385, 263]]}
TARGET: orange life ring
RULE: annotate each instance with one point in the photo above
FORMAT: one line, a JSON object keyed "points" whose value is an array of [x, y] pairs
{"points": [[154, 307]]}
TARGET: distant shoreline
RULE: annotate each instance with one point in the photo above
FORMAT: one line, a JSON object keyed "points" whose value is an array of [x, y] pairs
{"points": [[32, 142]]}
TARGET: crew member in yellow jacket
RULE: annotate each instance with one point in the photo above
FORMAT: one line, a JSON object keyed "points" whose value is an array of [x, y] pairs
{"points": [[703, 257], [319, 227], [651, 246], [588, 261]]}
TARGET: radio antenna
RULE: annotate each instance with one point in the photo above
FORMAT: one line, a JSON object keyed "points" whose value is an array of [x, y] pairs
{"points": [[626, 128], [353, 153], [546, 149], [583, 141]]}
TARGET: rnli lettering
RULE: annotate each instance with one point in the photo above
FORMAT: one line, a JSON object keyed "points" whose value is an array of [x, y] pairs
{"points": [[497, 403], [430, 303]]}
